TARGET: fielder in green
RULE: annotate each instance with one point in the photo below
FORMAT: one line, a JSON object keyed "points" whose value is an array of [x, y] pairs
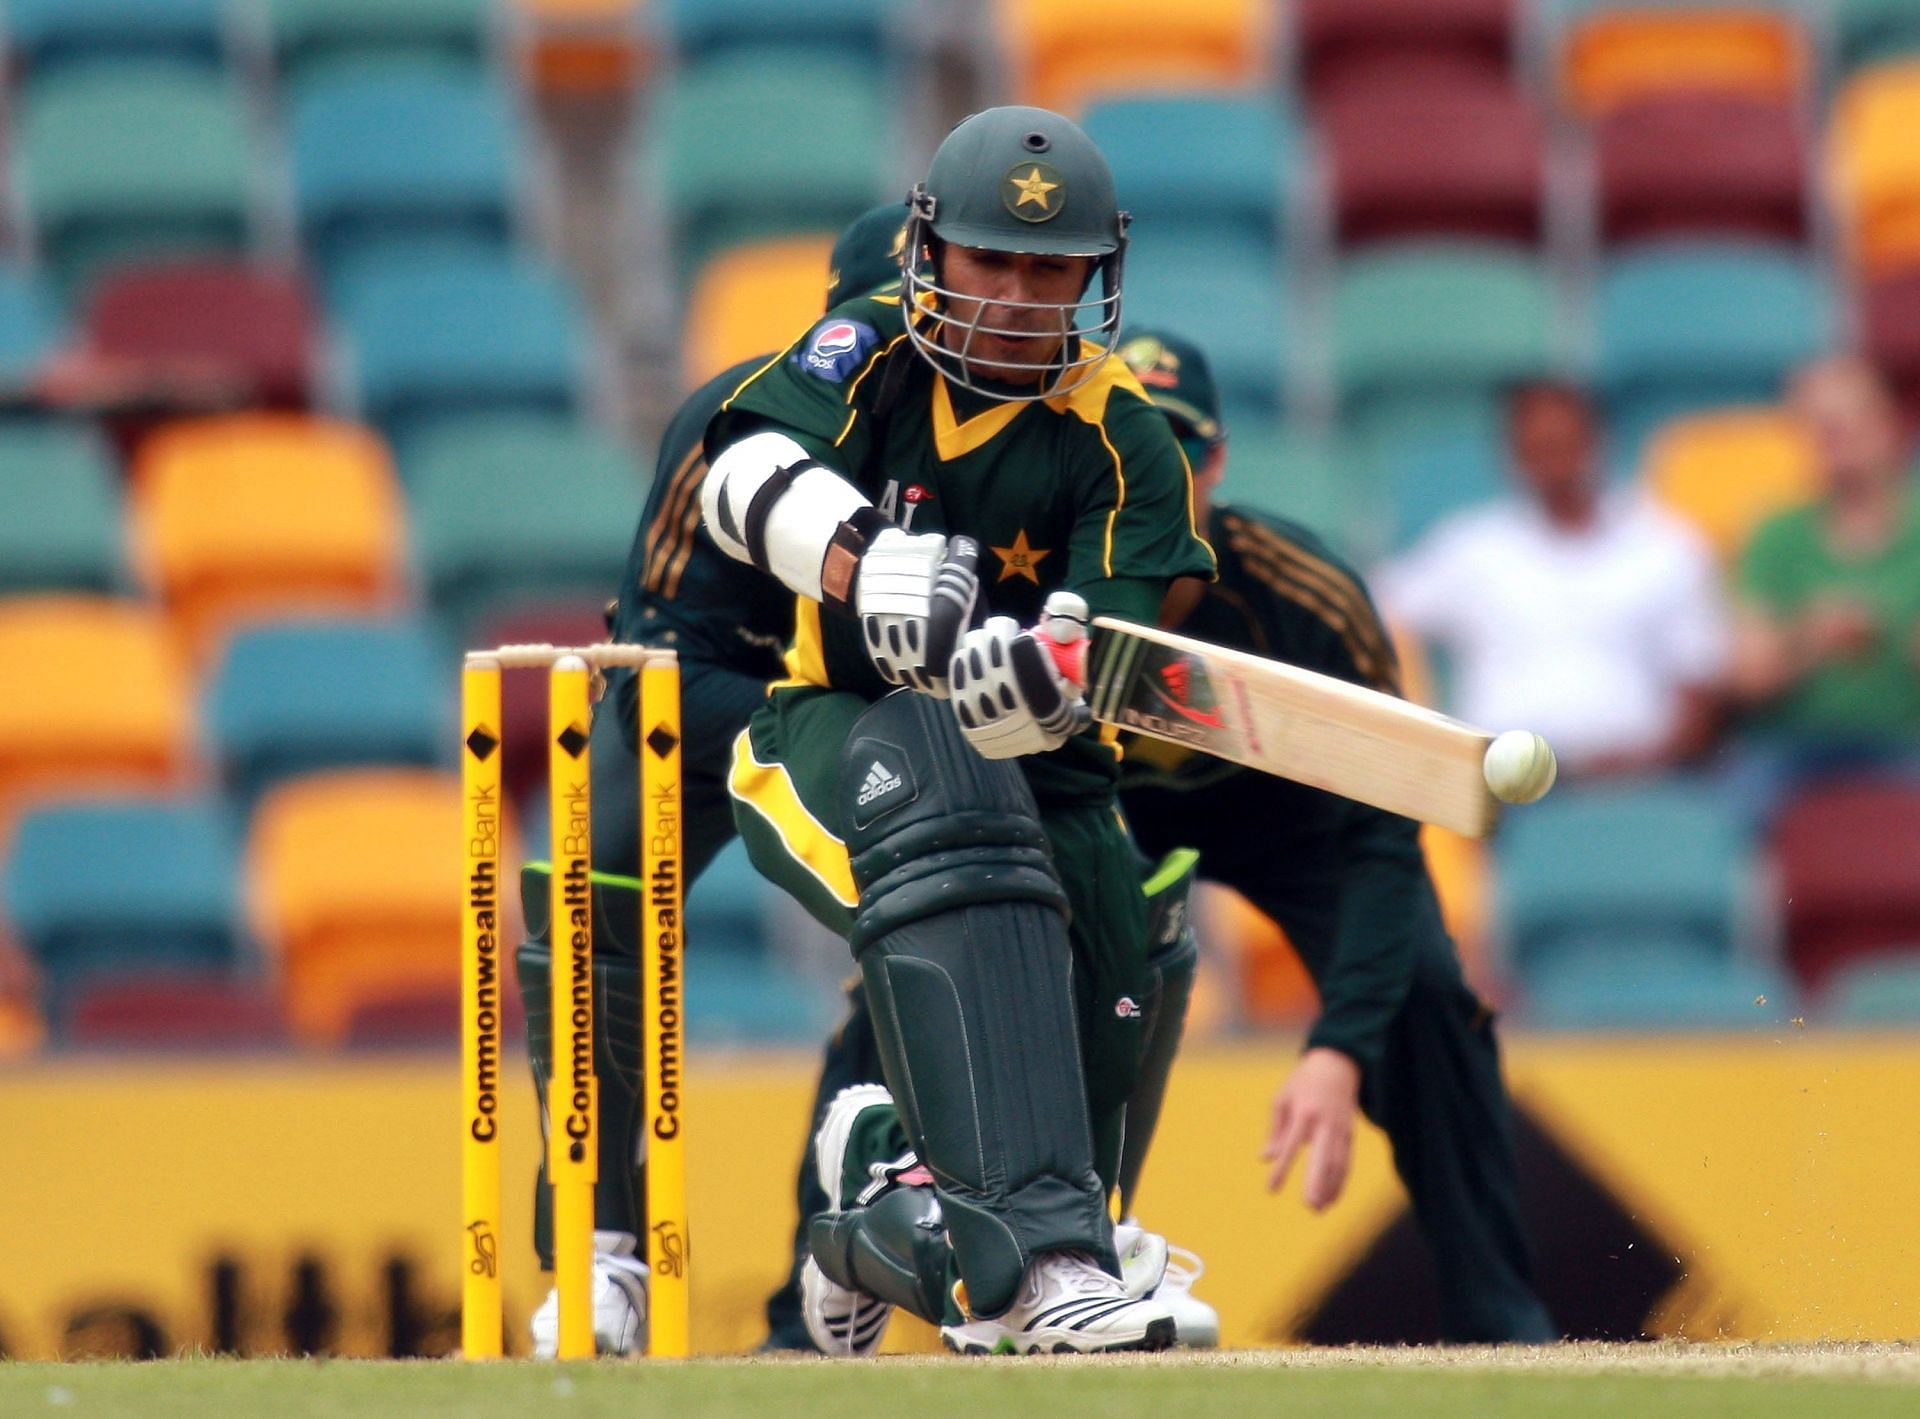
{"points": [[927, 785]]}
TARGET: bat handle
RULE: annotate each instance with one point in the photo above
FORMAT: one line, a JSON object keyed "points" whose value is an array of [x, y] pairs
{"points": [[1070, 658]]}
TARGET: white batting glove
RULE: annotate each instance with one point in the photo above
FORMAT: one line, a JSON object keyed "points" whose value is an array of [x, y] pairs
{"points": [[914, 596], [1007, 694]]}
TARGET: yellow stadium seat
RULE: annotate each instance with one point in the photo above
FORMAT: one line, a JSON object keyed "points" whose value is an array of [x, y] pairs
{"points": [[753, 300], [1617, 56], [97, 698], [1876, 165], [356, 889], [251, 515], [1728, 471], [1063, 54]]}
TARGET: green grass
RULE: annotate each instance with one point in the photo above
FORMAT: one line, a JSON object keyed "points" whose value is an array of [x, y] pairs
{"points": [[1642, 1381]]}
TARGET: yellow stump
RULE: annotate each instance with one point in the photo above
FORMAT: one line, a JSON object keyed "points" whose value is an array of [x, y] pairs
{"points": [[661, 951], [480, 984], [573, 1104]]}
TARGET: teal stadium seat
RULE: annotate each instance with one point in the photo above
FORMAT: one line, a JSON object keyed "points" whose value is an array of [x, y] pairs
{"points": [[432, 333], [1875, 991], [62, 528], [44, 35], [1685, 325], [739, 993], [135, 159], [393, 148], [1635, 985], [1873, 31], [1283, 469], [307, 36], [1662, 859], [1427, 334], [1427, 480], [748, 147], [700, 30], [31, 327], [1224, 292], [104, 886], [1213, 163], [295, 697], [513, 509]]}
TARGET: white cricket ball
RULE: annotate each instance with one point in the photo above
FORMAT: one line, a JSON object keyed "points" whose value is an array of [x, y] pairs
{"points": [[1519, 766]]}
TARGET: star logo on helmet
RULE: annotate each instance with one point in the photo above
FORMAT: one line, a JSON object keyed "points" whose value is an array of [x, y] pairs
{"points": [[1034, 192]]}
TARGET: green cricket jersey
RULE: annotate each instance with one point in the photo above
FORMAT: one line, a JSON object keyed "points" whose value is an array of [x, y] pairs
{"points": [[1087, 491], [1348, 882]]}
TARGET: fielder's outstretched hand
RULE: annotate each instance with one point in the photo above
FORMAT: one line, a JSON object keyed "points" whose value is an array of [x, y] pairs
{"points": [[1314, 1109]]}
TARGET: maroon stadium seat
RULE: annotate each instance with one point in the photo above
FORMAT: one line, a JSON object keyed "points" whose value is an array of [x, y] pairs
{"points": [[523, 693], [1335, 36], [175, 1012], [1428, 147], [246, 326], [1890, 322], [1701, 163], [1848, 858], [420, 1021]]}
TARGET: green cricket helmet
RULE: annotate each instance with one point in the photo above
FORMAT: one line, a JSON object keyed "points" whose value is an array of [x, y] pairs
{"points": [[1022, 180], [866, 256]]}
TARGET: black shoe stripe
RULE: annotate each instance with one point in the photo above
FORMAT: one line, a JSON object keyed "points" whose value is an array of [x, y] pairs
{"points": [[1085, 1321]]}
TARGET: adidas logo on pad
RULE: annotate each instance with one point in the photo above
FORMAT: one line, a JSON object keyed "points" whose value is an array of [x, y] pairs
{"points": [[881, 781]]}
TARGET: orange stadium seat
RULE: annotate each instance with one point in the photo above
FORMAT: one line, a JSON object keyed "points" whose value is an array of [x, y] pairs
{"points": [[581, 49], [751, 300], [356, 880], [1062, 54], [97, 698], [1876, 165], [1728, 470], [1617, 56], [242, 516]]}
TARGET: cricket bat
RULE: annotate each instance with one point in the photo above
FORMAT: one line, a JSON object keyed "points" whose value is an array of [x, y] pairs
{"points": [[1281, 719]]}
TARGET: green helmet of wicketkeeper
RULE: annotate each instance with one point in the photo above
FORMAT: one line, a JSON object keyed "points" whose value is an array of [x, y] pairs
{"points": [[1023, 181]]}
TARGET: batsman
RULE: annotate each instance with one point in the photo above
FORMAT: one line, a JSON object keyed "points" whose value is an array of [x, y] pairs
{"points": [[927, 785]]}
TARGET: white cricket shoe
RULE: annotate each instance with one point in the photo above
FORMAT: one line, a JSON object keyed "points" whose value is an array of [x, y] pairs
{"points": [[619, 1302], [840, 1320], [1143, 1258], [1067, 1305], [1196, 1323]]}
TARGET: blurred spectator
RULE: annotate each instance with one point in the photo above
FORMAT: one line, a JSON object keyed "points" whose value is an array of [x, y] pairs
{"points": [[1827, 630], [1587, 614]]}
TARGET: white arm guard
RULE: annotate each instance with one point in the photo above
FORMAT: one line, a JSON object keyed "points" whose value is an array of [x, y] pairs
{"points": [[767, 501]]}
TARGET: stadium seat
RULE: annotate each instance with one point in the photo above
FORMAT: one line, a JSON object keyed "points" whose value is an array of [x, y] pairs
{"points": [[189, 1011], [575, 51], [721, 183], [1875, 168], [1631, 984], [1688, 325], [1217, 163], [102, 886], [251, 515], [308, 36], [60, 733], [1227, 290], [428, 336], [1875, 991], [356, 876], [1665, 859], [1683, 164], [299, 696], [1615, 56], [134, 160], [44, 35], [1437, 326], [1890, 332], [510, 508], [384, 148], [62, 527], [523, 692], [30, 325], [1728, 471], [1427, 480], [751, 300], [1284, 469], [1333, 37], [251, 329], [1874, 31], [1421, 149], [1064, 54], [1844, 853], [701, 30]]}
